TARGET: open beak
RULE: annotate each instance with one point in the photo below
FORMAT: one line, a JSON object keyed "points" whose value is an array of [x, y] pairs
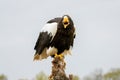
{"points": [[65, 21]]}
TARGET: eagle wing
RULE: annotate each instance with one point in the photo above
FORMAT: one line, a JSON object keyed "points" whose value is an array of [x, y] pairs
{"points": [[42, 42], [74, 35], [45, 37]]}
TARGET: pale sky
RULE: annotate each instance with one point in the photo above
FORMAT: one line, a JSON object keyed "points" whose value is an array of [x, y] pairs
{"points": [[97, 43]]}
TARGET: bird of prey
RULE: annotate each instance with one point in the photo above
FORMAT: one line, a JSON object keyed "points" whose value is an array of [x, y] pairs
{"points": [[56, 38]]}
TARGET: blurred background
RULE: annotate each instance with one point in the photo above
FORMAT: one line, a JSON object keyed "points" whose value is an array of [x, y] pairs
{"points": [[96, 52]]}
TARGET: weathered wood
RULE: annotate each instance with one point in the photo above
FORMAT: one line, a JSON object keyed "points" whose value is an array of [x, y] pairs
{"points": [[58, 70]]}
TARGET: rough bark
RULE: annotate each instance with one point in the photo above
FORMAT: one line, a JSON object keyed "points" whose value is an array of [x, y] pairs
{"points": [[58, 70]]}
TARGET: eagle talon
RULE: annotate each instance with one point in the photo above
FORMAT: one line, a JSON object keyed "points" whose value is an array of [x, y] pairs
{"points": [[61, 56]]}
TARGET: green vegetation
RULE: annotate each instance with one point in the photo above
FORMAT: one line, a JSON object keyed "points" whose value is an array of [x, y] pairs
{"points": [[3, 77], [113, 74], [41, 76], [76, 77]]}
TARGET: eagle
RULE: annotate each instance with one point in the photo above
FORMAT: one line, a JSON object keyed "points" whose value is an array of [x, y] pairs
{"points": [[56, 38]]}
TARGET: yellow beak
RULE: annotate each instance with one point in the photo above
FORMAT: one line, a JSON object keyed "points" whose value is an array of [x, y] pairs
{"points": [[65, 21]]}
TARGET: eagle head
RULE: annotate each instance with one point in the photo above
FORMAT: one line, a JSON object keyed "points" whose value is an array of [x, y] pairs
{"points": [[66, 21]]}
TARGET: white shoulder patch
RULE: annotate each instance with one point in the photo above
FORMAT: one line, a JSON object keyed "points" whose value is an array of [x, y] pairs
{"points": [[50, 28]]}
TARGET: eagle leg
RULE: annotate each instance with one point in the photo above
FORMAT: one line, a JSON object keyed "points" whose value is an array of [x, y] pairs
{"points": [[61, 56]]}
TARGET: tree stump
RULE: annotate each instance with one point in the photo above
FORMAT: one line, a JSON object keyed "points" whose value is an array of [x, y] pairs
{"points": [[58, 70]]}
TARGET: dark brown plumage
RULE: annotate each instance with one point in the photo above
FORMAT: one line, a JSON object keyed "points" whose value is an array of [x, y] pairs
{"points": [[57, 36]]}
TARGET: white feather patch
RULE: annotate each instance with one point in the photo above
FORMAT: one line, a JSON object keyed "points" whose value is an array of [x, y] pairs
{"points": [[52, 51], [51, 28], [65, 52]]}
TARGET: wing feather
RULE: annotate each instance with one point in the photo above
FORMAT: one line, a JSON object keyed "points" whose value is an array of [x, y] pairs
{"points": [[46, 35]]}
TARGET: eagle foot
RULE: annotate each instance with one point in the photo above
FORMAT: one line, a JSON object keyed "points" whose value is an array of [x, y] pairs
{"points": [[61, 56]]}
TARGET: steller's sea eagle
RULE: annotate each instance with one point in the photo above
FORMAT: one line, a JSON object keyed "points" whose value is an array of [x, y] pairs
{"points": [[55, 38]]}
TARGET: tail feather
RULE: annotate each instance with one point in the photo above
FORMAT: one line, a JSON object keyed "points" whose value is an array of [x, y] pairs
{"points": [[41, 56], [36, 56]]}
